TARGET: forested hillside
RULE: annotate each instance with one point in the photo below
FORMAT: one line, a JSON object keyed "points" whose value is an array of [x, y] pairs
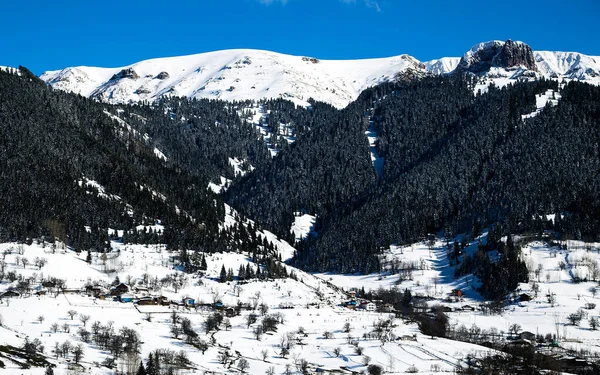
{"points": [[73, 168], [454, 161]]}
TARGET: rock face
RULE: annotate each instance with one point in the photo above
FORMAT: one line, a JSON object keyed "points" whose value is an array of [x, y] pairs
{"points": [[162, 75], [125, 73], [499, 54], [515, 54]]}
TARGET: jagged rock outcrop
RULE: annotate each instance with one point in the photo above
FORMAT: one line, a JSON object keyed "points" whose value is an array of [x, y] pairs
{"points": [[162, 75], [515, 54], [499, 54], [125, 73]]}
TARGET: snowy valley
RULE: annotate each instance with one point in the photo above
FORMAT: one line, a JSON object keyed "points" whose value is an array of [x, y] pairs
{"points": [[250, 212]]}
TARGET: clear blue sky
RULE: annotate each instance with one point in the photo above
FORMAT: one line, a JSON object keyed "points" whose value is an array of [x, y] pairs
{"points": [[48, 35]]}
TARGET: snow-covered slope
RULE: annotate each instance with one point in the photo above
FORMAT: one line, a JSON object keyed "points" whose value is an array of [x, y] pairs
{"points": [[244, 74], [571, 65], [239, 75]]}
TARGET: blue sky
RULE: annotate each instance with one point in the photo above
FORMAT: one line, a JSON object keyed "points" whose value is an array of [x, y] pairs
{"points": [[48, 35]]}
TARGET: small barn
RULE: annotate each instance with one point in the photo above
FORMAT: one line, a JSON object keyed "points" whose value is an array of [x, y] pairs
{"points": [[525, 297], [10, 294], [118, 290], [146, 301]]}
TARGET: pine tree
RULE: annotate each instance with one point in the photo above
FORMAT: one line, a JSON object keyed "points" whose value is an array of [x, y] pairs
{"points": [[241, 273], [151, 368], [223, 274], [141, 369]]}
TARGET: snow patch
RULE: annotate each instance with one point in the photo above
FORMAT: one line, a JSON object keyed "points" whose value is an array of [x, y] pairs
{"points": [[549, 97], [303, 225]]}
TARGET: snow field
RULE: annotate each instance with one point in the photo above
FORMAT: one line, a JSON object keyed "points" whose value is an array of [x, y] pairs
{"points": [[314, 300]]}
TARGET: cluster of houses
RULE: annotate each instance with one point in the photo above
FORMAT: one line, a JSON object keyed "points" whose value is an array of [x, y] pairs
{"points": [[355, 303], [139, 295]]}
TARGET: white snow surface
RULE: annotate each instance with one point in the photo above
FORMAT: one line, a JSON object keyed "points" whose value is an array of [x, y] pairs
{"points": [[246, 74], [314, 301], [314, 298], [10, 69], [303, 225], [376, 160], [240, 74], [541, 101]]}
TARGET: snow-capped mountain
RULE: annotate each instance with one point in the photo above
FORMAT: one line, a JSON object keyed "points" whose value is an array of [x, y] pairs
{"points": [[254, 74], [501, 62], [236, 75]]}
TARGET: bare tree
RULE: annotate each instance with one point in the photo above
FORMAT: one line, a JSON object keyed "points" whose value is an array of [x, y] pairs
{"points": [[258, 332], [514, 329], [263, 309], [72, 313], [66, 348], [251, 319], [347, 327], [84, 318], [243, 364], [264, 355], [40, 262], [77, 353], [41, 319]]}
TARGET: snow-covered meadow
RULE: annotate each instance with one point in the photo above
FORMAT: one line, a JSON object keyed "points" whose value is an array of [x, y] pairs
{"points": [[319, 332]]}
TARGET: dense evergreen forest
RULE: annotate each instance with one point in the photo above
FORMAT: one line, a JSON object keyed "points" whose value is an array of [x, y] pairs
{"points": [[56, 148], [454, 160]]}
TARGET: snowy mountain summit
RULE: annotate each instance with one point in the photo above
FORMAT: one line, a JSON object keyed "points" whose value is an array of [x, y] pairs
{"points": [[246, 74], [505, 55], [235, 75]]}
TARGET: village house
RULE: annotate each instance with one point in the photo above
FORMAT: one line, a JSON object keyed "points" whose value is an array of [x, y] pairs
{"points": [[367, 306], [387, 307], [146, 301], [118, 290], [10, 294], [525, 297]]}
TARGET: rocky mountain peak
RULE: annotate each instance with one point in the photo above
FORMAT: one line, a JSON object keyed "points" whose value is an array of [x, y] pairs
{"points": [[515, 54], [509, 54]]}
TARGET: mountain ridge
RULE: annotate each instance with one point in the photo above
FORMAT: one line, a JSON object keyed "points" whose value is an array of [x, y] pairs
{"points": [[247, 74]]}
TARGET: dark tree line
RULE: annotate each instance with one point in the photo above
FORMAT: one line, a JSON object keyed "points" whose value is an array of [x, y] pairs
{"points": [[56, 146]]}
